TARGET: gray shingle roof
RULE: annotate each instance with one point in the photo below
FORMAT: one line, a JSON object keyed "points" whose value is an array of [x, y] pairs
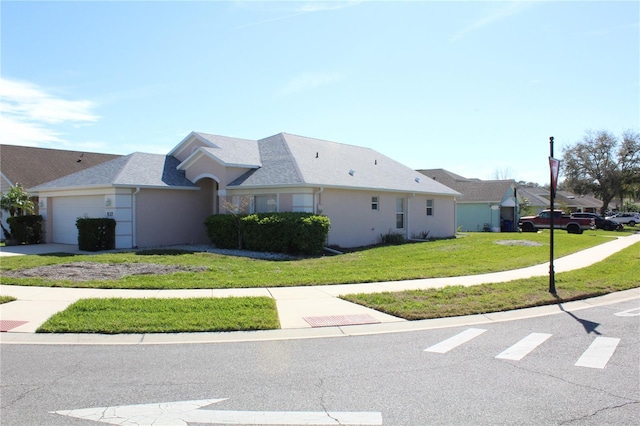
{"points": [[133, 170], [296, 160], [232, 151], [472, 190]]}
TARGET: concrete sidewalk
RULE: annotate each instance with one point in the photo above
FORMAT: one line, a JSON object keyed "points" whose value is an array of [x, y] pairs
{"points": [[311, 311]]}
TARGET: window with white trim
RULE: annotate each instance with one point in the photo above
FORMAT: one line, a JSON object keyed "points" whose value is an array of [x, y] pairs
{"points": [[374, 203], [430, 207], [399, 213]]}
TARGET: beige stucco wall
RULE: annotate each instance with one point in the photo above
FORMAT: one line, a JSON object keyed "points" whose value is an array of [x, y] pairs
{"points": [[207, 167], [168, 217], [354, 223]]}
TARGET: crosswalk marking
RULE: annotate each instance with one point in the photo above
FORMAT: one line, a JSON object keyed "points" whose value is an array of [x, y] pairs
{"points": [[598, 353], [524, 346], [455, 341]]}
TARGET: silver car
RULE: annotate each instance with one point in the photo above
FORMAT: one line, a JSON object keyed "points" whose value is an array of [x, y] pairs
{"points": [[625, 218]]}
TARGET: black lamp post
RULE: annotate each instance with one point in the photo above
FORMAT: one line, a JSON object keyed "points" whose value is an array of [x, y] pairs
{"points": [[553, 179]]}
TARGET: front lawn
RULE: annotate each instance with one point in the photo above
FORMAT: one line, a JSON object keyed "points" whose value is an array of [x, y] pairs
{"points": [[469, 254], [113, 316], [616, 273]]}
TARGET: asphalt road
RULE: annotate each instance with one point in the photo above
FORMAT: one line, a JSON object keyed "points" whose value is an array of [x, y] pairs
{"points": [[580, 368]]}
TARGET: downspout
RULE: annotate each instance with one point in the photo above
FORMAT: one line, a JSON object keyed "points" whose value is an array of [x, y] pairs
{"points": [[134, 215], [316, 199], [316, 202]]}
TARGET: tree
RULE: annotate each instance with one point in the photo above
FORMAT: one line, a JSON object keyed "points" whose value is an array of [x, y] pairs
{"points": [[603, 165], [17, 201], [502, 174], [630, 166]]}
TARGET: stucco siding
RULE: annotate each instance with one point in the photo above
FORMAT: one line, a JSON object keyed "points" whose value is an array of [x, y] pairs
{"points": [[355, 223], [472, 217], [173, 217], [205, 166], [441, 224]]}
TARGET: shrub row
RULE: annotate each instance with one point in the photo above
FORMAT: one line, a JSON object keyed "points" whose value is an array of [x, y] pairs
{"points": [[26, 229], [96, 234], [292, 233]]}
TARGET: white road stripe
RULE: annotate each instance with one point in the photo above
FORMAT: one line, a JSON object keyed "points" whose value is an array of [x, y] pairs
{"points": [[598, 353], [524, 346], [455, 341]]}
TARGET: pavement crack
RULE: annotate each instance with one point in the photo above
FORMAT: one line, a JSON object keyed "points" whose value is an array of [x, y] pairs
{"points": [[562, 379], [595, 413]]}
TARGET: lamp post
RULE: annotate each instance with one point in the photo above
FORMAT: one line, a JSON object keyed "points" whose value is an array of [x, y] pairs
{"points": [[554, 165]]}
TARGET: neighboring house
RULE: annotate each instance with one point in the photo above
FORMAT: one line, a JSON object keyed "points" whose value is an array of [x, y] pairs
{"points": [[539, 199], [30, 166], [161, 200], [485, 205]]}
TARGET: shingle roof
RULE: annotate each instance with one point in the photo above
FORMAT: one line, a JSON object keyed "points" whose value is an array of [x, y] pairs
{"points": [[31, 166], [535, 196], [297, 160], [133, 170], [232, 151], [472, 190]]}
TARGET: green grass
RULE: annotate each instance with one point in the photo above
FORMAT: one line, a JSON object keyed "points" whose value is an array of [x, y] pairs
{"points": [[113, 316], [469, 254], [6, 299], [616, 273]]}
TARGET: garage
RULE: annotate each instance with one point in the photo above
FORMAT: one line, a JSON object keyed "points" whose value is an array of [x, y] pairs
{"points": [[65, 211]]}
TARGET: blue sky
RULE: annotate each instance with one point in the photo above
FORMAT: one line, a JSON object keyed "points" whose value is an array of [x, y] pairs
{"points": [[473, 87]]}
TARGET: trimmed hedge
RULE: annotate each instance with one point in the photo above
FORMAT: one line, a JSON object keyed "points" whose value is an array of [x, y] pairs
{"points": [[223, 229], [96, 234], [292, 233], [26, 229]]}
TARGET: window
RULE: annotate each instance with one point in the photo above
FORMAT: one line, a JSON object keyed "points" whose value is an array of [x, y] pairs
{"points": [[302, 203], [400, 213], [374, 203], [429, 207], [267, 203]]}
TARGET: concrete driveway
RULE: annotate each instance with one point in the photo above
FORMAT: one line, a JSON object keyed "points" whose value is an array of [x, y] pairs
{"points": [[22, 250]]}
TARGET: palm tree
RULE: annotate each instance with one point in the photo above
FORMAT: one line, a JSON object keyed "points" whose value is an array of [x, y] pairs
{"points": [[17, 201]]}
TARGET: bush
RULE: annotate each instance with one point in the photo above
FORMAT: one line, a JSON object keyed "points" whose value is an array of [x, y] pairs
{"points": [[293, 233], [96, 234], [225, 231], [26, 229], [392, 238]]}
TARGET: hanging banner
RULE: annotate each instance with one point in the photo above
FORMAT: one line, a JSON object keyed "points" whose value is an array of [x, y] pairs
{"points": [[554, 165]]}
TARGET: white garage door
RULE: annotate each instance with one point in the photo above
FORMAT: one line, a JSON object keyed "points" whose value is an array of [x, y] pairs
{"points": [[65, 212]]}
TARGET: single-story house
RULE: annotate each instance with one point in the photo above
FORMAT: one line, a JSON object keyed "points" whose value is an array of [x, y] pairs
{"points": [[539, 199], [484, 205], [29, 166], [160, 200]]}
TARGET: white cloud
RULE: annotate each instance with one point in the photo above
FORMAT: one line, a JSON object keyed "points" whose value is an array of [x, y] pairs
{"points": [[511, 8], [309, 81], [29, 114]]}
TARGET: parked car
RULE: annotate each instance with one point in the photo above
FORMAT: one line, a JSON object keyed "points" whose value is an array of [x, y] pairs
{"points": [[573, 225], [601, 222], [626, 218]]}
